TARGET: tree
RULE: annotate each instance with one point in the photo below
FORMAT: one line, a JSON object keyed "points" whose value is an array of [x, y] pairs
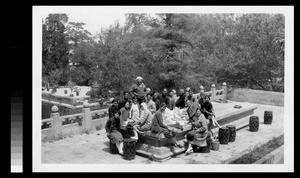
{"points": [[257, 57], [54, 44], [81, 53], [76, 34], [172, 49]]}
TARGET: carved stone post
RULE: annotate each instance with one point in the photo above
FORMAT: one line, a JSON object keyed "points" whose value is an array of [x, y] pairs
{"points": [[213, 92], [87, 118], [224, 87], [56, 124], [201, 89]]}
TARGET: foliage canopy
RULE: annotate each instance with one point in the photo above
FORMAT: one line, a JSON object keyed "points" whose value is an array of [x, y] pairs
{"points": [[168, 50]]}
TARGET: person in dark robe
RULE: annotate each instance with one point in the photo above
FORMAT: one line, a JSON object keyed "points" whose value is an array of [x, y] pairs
{"points": [[191, 110], [156, 100], [112, 128], [164, 98], [113, 109], [158, 126], [180, 103], [151, 106], [191, 96], [208, 112], [199, 134], [126, 98]]}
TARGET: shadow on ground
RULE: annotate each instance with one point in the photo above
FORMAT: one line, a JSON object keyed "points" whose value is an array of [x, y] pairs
{"points": [[106, 149]]}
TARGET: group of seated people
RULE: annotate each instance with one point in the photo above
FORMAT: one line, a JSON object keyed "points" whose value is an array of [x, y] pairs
{"points": [[134, 115]]}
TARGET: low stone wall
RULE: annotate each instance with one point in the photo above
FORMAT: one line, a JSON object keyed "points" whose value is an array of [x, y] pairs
{"points": [[58, 126], [256, 96], [66, 109], [63, 110]]}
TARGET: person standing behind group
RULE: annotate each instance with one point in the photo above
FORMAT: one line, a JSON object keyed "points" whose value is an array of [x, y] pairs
{"points": [[156, 100], [191, 110], [134, 109], [191, 96], [172, 99], [126, 98], [138, 90], [187, 93], [148, 91], [164, 98], [113, 109], [180, 103], [174, 95], [150, 104], [202, 100]]}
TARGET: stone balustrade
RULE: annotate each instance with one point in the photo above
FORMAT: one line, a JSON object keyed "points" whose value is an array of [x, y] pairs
{"points": [[57, 127], [214, 93]]}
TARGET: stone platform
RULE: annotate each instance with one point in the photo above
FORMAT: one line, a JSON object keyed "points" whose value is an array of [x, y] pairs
{"points": [[226, 113], [93, 148], [159, 148]]}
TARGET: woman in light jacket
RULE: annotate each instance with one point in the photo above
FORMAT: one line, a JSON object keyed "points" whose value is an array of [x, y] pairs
{"points": [[144, 122]]}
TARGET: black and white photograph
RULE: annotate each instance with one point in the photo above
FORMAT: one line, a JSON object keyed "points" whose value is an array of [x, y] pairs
{"points": [[163, 88]]}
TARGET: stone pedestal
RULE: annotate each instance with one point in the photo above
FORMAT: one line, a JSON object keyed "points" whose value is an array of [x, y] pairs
{"points": [[157, 147]]}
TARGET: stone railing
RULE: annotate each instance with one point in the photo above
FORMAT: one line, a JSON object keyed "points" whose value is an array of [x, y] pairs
{"points": [[57, 127], [214, 93]]}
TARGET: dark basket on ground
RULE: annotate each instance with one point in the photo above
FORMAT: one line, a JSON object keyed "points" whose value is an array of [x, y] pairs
{"points": [[129, 149], [268, 117], [232, 132], [253, 124], [224, 135], [113, 148]]}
